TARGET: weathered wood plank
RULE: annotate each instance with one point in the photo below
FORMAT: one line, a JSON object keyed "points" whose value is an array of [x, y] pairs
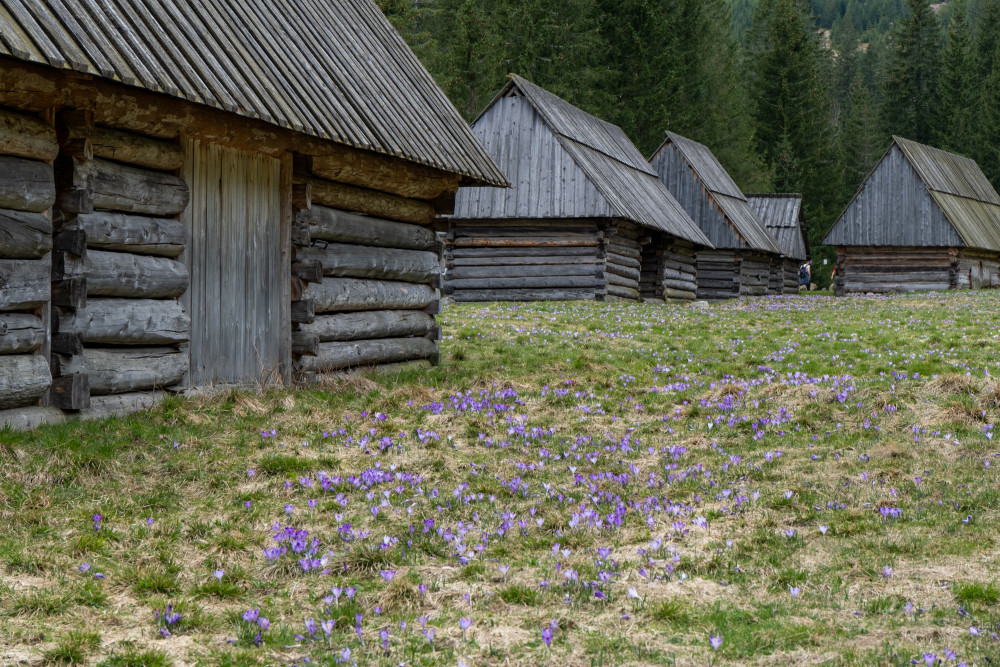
{"points": [[309, 270], [385, 174], [549, 282], [305, 343], [26, 185], [523, 271], [345, 294], [534, 242], [20, 333], [585, 251], [24, 283], [370, 325], [24, 235], [131, 233], [70, 393], [350, 354], [121, 274], [30, 417], [112, 371], [127, 322], [23, 379], [27, 137], [328, 224], [624, 251], [684, 295], [521, 261], [121, 405], [358, 261], [490, 295], [134, 149], [623, 292], [369, 202], [303, 311], [118, 187], [622, 260], [623, 271]]}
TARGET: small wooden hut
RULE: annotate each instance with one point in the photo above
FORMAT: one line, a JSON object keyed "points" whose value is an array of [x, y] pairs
{"points": [[214, 192], [924, 219], [740, 262], [782, 217], [585, 218]]}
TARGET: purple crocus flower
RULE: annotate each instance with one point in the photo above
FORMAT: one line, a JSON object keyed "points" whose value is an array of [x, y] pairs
{"points": [[84, 567], [311, 626], [250, 615], [547, 636], [219, 574], [715, 641], [930, 659], [388, 575]]}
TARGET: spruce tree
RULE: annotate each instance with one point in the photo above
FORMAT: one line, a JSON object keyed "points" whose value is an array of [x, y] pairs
{"points": [[788, 74], [863, 139], [954, 128], [988, 138], [911, 75]]}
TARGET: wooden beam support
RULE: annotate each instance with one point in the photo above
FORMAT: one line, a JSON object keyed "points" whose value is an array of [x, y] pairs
{"points": [[71, 392]]}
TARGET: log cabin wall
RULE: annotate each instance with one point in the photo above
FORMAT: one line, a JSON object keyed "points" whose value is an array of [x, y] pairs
{"points": [[535, 260], [679, 271], [27, 192], [234, 257], [625, 242], [790, 276], [118, 328], [754, 273], [881, 270], [718, 274], [366, 272], [977, 269]]}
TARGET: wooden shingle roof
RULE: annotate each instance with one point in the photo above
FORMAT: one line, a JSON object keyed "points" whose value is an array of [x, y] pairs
{"points": [[332, 69], [722, 190], [782, 216], [581, 167]]}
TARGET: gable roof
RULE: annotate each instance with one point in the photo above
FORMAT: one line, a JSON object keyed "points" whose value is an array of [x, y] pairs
{"points": [[335, 70], [961, 189], [964, 196], [624, 182], [721, 188], [782, 216]]}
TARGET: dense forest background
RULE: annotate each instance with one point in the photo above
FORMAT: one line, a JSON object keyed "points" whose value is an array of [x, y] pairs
{"points": [[792, 96]]}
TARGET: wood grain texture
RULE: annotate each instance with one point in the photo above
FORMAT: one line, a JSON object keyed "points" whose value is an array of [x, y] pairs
{"points": [[328, 224], [24, 235], [107, 230], [23, 379], [359, 261], [31, 417], [352, 354], [121, 405], [20, 333], [116, 371], [27, 136], [370, 324], [350, 294], [379, 172], [126, 275], [127, 322], [26, 185], [134, 149], [24, 283], [117, 187], [369, 202]]}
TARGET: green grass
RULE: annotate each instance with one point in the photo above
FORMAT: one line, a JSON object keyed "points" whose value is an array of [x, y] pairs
{"points": [[552, 456]]}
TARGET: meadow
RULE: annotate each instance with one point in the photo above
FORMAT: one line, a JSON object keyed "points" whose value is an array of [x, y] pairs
{"points": [[789, 480]]}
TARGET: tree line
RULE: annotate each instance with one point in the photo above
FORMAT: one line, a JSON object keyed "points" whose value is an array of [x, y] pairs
{"points": [[791, 96]]}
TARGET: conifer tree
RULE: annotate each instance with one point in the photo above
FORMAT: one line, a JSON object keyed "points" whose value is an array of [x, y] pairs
{"points": [[788, 75], [911, 75], [863, 139], [954, 128]]}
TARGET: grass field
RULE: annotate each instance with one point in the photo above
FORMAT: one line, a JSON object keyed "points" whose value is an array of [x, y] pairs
{"points": [[780, 481]]}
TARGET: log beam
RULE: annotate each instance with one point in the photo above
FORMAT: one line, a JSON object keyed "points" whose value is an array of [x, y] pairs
{"points": [[370, 325], [126, 322], [24, 235], [328, 224], [369, 202], [349, 294], [27, 137], [26, 185], [334, 356], [131, 233], [23, 379], [24, 283], [358, 261], [114, 371], [380, 172]]}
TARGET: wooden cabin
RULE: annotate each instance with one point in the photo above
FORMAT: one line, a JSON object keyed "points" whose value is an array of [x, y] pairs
{"points": [[739, 264], [214, 193], [585, 218], [782, 217], [924, 219]]}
